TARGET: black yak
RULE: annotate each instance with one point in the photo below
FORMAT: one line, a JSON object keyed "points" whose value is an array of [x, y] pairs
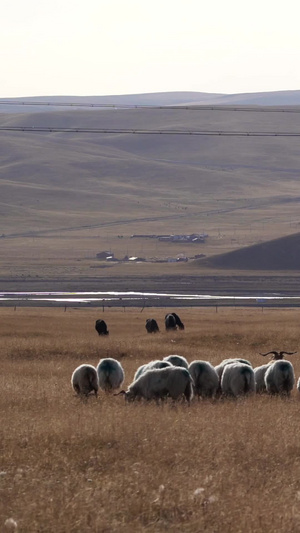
{"points": [[151, 325], [178, 321], [101, 327], [170, 322]]}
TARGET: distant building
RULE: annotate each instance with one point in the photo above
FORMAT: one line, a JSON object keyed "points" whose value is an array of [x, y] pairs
{"points": [[143, 236], [192, 238], [104, 255], [181, 258], [136, 259]]}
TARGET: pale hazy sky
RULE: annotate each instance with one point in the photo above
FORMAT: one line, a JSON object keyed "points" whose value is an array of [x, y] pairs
{"points": [[107, 47]]}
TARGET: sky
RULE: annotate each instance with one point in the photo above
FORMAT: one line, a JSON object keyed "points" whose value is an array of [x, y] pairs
{"points": [[112, 47]]}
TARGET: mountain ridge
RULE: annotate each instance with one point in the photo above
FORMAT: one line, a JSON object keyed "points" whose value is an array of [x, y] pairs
{"points": [[188, 98]]}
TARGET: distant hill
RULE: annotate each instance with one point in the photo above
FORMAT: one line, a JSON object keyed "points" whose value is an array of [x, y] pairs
{"points": [[68, 180], [189, 98], [278, 254], [91, 186]]}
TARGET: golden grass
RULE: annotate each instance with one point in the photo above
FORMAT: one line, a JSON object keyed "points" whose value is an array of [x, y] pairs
{"points": [[104, 466]]}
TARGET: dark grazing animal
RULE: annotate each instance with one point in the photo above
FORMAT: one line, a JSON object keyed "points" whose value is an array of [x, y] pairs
{"points": [[101, 327], [151, 325], [170, 322], [178, 321]]}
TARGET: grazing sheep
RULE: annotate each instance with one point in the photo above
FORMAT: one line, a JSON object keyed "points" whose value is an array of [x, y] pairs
{"points": [[280, 377], [150, 366], [205, 377], [259, 375], [170, 322], [101, 327], [151, 325], [110, 374], [85, 380], [277, 355], [236, 360], [161, 383], [237, 379], [220, 368], [139, 372], [157, 364], [298, 384], [177, 360]]}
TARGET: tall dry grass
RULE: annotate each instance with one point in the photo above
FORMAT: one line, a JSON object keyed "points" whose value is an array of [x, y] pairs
{"points": [[104, 466]]}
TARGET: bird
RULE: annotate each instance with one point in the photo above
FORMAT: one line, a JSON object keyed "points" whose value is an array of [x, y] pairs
{"points": [[277, 355]]}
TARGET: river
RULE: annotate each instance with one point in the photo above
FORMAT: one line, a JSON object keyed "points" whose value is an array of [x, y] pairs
{"points": [[142, 299]]}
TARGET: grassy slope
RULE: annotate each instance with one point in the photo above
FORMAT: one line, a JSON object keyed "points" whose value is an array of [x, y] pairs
{"points": [[239, 190], [103, 466], [278, 254]]}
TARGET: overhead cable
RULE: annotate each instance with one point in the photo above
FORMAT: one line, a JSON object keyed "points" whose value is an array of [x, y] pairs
{"points": [[228, 133]]}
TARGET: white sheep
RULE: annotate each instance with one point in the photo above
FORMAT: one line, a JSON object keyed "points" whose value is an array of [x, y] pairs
{"points": [[237, 379], [205, 377], [110, 374], [85, 380], [220, 368], [259, 375], [177, 360], [280, 377], [161, 383], [298, 384], [150, 366], [139, 371], [158, 364]]}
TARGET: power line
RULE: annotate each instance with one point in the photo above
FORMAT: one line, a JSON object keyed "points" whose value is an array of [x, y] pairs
{"points": [[191, 107], [48, 129]]}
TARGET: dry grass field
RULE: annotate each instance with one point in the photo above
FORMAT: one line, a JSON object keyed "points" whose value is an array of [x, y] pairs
{"points": [[104, 466]]}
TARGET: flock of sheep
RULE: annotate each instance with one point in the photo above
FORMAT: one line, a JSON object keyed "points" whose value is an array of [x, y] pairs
{"points": [[174, 378]]}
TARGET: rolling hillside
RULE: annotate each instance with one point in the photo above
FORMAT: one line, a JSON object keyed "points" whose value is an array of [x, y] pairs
{"points": [[78, 192], [278, 254], [56, 180]]}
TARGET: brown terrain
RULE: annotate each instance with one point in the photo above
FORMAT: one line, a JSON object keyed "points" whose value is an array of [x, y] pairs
{"points": [[66, 196], [102, 466]]}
